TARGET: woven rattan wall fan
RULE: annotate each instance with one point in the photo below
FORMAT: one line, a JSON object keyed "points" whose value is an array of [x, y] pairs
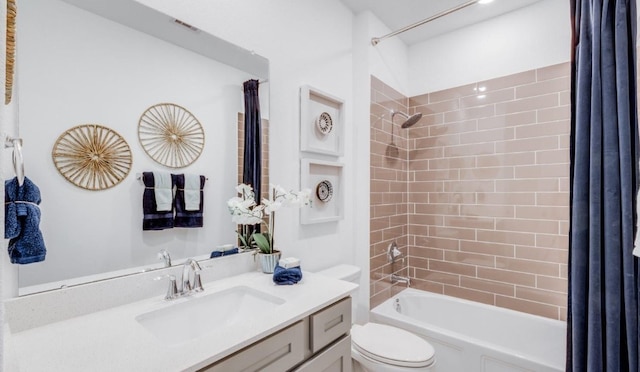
{"points": [[92, 157], [171, 135]]}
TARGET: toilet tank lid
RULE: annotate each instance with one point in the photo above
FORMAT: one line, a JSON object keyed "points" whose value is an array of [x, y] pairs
{"points": [[346, 272]]}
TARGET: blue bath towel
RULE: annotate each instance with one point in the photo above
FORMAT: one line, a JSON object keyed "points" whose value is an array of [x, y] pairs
{"points": [[152, 219], [224, 253], [282, 276], [184, 217], [22, 222]]}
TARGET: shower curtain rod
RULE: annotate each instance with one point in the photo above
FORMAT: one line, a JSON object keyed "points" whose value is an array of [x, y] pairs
{"points": [[376, 40]]}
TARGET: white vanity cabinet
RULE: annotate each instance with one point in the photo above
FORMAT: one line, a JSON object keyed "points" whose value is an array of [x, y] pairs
{"points": [[317, 343]]}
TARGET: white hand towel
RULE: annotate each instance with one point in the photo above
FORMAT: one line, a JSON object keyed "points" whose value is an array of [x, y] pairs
{"points": [[191, 192], [163, 191]]}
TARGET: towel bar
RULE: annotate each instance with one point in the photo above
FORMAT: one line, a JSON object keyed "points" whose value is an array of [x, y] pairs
{"points": [[139, 177]]}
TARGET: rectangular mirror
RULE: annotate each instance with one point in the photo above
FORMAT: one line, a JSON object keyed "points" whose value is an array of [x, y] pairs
{"points": [[106, 62]]}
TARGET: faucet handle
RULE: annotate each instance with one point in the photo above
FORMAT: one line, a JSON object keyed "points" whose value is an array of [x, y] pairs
{"points": [[172, 290], [186, 285], [197, 282]]}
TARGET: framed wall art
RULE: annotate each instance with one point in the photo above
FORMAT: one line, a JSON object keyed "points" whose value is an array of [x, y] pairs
{"points": [[321, 122], [324, 178]]}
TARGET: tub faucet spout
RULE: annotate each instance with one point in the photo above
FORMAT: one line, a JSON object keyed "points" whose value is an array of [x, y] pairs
{"points": [[400, 279]]}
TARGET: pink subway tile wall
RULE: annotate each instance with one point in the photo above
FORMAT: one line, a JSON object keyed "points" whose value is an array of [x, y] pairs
{"points": [[478, 197], [488, 202], [389, 164]]}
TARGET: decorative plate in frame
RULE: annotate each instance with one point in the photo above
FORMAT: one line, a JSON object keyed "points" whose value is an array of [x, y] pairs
{"points": [[171, 135], [321, 122], [324, 123], [324, 191], [325, 177], [92, 157]]}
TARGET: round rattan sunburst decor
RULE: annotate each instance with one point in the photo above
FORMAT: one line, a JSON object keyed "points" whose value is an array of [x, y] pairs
{"points": [[92, 157], [170, 135]]}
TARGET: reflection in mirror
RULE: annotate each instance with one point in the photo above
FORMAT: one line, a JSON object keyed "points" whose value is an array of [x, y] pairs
{"points": [[76, 67]]}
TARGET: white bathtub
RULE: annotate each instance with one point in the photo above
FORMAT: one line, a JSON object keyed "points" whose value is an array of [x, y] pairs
{"points": [[469, 336]]}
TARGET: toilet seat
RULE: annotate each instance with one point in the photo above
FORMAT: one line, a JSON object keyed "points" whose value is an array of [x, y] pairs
{"points": [[391, 345]]}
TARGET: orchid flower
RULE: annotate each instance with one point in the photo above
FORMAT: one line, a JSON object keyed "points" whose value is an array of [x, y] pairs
{"points": [[245, 211]]}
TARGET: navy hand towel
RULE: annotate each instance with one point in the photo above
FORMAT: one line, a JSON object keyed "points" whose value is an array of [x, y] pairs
{"points": [[282, 276], [184, 217], [224, 253], [22, 222], [153, 219]]}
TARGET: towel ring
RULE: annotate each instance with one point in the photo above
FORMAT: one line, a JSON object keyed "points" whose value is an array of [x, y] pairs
{"points": [[16, 157]]}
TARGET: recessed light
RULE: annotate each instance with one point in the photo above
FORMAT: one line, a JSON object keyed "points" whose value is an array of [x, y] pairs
{"points": [[484, 1]]}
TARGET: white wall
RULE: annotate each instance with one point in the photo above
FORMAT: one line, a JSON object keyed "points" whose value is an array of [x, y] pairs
{"points": [[389, 60], [535, 36]]}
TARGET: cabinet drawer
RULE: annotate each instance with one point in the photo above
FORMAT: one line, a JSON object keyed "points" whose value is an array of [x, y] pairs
{"points": [[276, 353], [329, 324], [336, 358]]}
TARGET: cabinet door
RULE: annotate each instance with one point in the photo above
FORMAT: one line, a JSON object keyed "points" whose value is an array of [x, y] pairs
{"points": [[336, 358], [329, 324], [276, 353]]}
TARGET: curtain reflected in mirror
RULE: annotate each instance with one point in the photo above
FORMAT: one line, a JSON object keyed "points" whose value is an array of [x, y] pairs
{"points": [[251, 167], [264, 193]]}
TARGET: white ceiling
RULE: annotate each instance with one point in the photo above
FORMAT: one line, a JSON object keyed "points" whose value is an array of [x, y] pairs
{"points": [[400, 13]]}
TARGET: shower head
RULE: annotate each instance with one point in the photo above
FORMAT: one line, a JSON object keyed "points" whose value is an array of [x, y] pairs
{"points": [[409, 120]]}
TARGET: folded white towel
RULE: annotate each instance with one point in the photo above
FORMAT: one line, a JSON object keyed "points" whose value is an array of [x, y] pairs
{"points": [[191, 192], [289, 262], [163, 191]]}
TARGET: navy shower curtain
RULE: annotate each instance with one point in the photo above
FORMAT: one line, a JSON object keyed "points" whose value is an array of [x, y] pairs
{"points": [[252, 166], [604, 281]]}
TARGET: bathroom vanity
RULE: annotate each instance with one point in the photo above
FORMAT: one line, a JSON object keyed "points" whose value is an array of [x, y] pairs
{"points": [[320, 340], [242, 322]]}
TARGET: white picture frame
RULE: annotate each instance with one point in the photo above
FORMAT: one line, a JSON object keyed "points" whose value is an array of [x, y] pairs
{"points": [[321, 122], [313, 173]]}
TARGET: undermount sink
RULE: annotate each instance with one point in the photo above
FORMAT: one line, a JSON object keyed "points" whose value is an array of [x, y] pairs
{"points": [[193, 317]]}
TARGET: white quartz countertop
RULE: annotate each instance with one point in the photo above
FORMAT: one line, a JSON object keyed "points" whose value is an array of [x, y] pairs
{"points": [[112, 340]]}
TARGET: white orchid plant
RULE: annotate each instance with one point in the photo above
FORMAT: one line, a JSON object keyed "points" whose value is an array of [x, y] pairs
{"points": [[246, 212]]}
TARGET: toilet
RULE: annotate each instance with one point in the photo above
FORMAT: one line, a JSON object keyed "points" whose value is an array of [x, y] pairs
{"points": [[379, 347]]}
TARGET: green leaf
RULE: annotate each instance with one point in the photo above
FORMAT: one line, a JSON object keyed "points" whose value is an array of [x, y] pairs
{"points": [[243, 240], [262, 242]]}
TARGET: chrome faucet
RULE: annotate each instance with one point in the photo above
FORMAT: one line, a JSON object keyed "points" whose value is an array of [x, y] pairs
{"points": [[187, 285], [400, 279]]}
